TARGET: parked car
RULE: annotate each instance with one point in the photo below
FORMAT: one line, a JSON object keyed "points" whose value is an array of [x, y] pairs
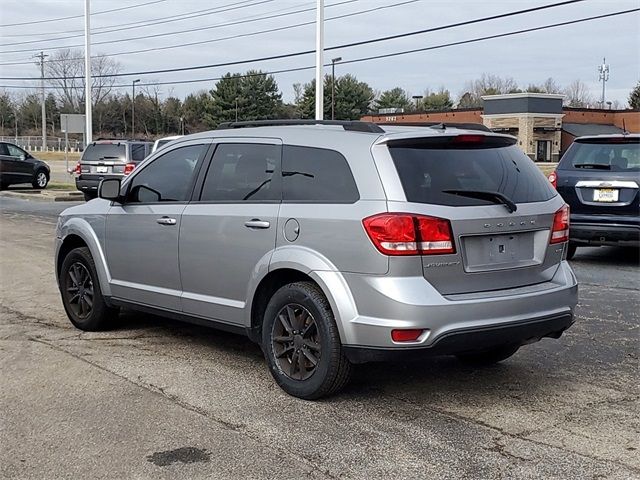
{"points": [[329, 244], [18, 166], [598, 177], [108, 159], [161, 142]]}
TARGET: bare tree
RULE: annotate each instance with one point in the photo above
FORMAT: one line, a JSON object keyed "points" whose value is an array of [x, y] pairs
{"points": [[487, 84], [65, 69], [578, 95]]}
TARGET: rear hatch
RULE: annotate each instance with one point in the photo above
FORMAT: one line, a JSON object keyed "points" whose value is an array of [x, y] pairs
{"points": [[499, 206], [599, 177], [103, 158]]}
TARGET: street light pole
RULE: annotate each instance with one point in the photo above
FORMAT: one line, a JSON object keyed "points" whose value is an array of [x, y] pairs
{"points": [[417, 98], [319, 59], [133, 108], [87, 73], [333, 86]]}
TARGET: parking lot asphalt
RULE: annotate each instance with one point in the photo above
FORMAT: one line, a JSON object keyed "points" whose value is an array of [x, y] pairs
{"points": [[154, 398]]}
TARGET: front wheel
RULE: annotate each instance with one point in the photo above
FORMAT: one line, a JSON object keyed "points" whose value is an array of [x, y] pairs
{"points": [[301, 342], [41, 180], [81, 295], [489, 357]]}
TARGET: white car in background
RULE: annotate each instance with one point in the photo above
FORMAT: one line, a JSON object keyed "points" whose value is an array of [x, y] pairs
{"points": [[161, 142]]}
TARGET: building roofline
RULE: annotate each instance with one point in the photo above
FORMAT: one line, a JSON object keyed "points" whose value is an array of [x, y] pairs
{"points": [[523, 95]]}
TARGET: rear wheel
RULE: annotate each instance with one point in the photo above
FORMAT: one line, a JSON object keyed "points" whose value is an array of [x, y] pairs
{"points": [[41, 180], [81, 295], [571, 250], [301, 342], [489, 357]]}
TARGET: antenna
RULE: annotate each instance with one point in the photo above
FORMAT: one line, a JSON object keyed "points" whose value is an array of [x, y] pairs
{"points": [[603, 71]]}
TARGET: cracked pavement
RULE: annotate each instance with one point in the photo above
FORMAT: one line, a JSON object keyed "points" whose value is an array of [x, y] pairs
{"points": [[154, 398]]}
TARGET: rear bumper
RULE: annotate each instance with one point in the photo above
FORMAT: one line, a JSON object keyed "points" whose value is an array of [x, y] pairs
{"points": [[382, 304], [594, 232], [470, 339], [89, 183]]}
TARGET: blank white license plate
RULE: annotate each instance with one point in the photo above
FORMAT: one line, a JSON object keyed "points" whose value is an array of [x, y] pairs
{"points": [[102, 169], [605, 195]]}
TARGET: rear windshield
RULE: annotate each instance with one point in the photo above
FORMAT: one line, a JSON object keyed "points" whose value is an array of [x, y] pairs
{"points": [[104, 151], [428, 173], [619, 156]]}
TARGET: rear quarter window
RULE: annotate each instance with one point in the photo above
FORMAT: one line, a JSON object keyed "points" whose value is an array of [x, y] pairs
{"points": [[316, 175], [426, 173]]}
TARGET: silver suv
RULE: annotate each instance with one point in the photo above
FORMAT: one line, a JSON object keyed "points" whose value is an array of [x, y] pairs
{"points": [[329, 244]]}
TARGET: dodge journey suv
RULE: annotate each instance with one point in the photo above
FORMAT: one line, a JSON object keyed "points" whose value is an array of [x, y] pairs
{"points": [[329, 244]]}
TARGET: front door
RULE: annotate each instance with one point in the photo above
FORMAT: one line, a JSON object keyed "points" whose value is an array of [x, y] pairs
{"points": [[228, 234], [142, 232], [542, 153]]}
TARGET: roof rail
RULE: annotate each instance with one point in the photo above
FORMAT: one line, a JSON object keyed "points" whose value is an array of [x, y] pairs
{"points": [[102, 139], [349, 125], [443, 126]]}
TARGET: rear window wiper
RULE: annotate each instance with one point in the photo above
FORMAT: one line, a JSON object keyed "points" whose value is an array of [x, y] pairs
{"points": [[495, 197], [599, 166]]}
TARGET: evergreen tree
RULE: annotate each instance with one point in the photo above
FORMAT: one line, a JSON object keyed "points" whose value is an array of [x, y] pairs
{"points": [[394, 98], [634, 97], [352, 98]]}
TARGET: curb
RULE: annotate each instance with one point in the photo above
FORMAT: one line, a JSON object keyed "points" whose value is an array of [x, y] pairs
{"points": [[45, 196]]}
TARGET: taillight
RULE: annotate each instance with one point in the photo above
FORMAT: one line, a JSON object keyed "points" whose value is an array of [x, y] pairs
{"points": [[553, 178], [560, 229], [78, 169], [409, 335], [469, 138], [406, 234], [128, 168]]}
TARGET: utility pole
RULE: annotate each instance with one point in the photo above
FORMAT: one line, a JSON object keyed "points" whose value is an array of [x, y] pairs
{"points": [[319, 59], [603, 71], [41, 56], [87, 73], [333, 86], [133, 108]]}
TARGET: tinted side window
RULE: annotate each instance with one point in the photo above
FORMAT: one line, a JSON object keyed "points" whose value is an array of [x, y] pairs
{"points": [[137, 152], [242, 172], [316, 175], [3, 149], [168, 178], [15, 151]]}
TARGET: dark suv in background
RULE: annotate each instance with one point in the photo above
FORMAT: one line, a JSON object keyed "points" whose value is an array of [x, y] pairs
{"points": [[108, 159], [599, 177], [18, 166]]}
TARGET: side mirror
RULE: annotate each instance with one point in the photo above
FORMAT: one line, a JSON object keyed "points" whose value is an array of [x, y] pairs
{"points": [[109, 189]]}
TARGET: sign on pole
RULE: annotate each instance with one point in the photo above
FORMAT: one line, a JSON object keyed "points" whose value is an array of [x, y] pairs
{"points": [[70, 123]]}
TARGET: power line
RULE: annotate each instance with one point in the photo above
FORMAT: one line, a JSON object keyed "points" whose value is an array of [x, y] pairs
{"points": [[236, 6], [307, 52], [376, 57], [119, 9], [94, 30], [177, 32], [271, 15]]}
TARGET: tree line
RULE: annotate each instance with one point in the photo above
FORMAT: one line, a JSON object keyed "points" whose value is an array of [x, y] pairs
{"points": [[254, 95]]}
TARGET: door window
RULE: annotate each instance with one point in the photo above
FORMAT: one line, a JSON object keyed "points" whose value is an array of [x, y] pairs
{"points": [[15, 151], [169, 178], [316, 175], [3, 149], [242, 172]]}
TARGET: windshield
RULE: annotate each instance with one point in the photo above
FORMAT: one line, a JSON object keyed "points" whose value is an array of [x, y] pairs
{"points": [[104, 151], [624, 156], [460, 177]]}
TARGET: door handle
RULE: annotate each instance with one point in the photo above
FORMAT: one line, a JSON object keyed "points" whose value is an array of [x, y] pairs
{"points": [[167, 221], [256, 223]]}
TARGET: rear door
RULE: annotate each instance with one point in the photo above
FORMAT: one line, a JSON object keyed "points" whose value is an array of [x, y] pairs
{"points": [[501, 241], [228, 234], [599, 178]]}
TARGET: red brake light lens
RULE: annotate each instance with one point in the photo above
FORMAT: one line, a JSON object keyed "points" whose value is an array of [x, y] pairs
{"points": [[553, 178], [560, 229], [411, 335], [78, 169], [469, 139], [128, 168], [406, 234]]}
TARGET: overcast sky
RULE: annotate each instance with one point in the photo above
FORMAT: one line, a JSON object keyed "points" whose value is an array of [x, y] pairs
{"points": [[565, 53]]}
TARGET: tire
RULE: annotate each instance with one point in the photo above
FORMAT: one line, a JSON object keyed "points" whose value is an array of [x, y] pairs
{"points": [[489, 357], [40, 180], [571, 250], [81, 295], [89, 196], [302, 308]]}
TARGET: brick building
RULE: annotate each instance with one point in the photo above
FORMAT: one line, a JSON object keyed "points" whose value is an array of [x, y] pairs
{"points": [[544, 128]]}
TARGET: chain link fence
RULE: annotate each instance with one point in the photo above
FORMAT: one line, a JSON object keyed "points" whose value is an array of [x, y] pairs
{"points": [[34, 143]]}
